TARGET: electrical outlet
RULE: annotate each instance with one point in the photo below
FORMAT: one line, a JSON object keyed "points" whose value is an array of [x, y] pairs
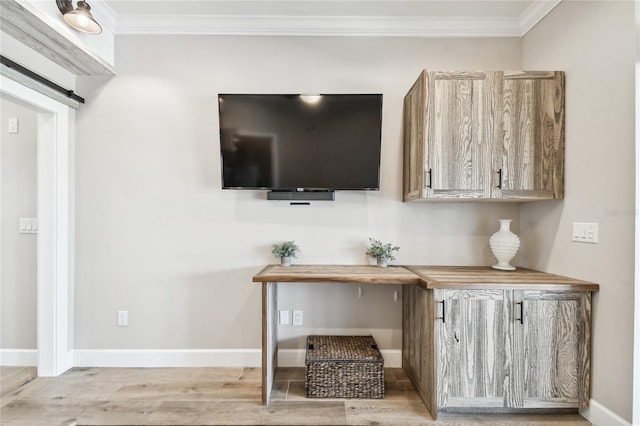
{"points": [[297, 317], [123, 318]]}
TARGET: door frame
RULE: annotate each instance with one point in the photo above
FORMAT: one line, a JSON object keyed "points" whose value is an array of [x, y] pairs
{"points": [[55, 226]]}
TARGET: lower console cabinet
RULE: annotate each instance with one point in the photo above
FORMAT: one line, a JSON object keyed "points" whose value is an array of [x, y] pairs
{"points": [[497, 349]]}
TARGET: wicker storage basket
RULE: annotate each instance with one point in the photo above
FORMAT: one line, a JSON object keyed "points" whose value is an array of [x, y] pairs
{"points": [[343, 367]]}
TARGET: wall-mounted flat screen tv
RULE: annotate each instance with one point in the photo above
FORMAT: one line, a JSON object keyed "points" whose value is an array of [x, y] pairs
{"points": [[293, 142]]}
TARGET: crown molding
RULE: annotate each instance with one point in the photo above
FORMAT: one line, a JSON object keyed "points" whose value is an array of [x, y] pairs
{"points": [[535, 13], [289, 25], [319, 26], [104, 14]]}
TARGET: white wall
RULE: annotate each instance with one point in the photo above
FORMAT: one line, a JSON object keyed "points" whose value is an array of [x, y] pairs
{"points": [[158, 237], [18, 155], [594, 43]]}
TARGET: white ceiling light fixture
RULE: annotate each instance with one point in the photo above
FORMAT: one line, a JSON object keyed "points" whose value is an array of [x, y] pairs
{"points": [[81, 18]]}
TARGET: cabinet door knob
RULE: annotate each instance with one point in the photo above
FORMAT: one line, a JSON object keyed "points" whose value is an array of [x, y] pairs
{"points": [[499, 186], [429, 179]]}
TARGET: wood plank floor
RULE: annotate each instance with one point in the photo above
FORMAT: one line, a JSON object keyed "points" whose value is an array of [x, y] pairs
{"points": [[14, 377], [219, 396]]}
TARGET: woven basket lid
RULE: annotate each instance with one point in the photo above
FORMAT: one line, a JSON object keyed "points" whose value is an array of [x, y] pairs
{"points": [[341, 348]]}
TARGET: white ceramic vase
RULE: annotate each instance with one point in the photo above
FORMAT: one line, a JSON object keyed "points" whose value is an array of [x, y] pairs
{"points": [[285, 261], [504, 245]]}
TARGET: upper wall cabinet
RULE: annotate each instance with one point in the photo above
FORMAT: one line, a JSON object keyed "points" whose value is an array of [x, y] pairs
{"points": [[484, 135]]}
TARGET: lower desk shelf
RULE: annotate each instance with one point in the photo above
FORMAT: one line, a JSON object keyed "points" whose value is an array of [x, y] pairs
{"points": [[271, 275]]}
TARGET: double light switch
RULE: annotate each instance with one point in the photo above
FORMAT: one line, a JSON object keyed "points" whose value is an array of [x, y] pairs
{"points": [[585, 232]]}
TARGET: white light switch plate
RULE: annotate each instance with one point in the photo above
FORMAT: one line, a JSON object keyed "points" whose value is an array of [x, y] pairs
{"points": [[13, 125], [28, 225], [283, 317], [585, 232]]}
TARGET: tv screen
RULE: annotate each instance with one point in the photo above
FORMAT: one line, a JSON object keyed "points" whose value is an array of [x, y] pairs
{"points": [[300, 142]]}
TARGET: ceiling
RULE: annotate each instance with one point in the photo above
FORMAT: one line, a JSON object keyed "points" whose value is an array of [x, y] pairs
{"points": [[422, 18]]}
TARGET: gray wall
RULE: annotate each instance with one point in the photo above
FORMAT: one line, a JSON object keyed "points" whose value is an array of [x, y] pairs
{"points": [[18, 154], [594, 42], [158, 237]]}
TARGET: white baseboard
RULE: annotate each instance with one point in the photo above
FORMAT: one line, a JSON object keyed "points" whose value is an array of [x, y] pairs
{"points": [[18, 357], [168, 358], [199, 358], [295, 358], [600, 415]]}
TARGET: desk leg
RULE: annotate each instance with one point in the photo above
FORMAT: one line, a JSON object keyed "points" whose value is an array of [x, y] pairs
{"points": [[269, 338]]}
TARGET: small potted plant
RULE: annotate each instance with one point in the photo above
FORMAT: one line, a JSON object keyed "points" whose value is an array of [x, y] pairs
{"points": [[382, 252], [285, 251]]}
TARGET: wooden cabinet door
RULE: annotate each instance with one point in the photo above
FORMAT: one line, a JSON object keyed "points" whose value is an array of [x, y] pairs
{"points": [[414, 120], [551, 349], [461, 128], [532, 149], [473, 335], [418, 343]]}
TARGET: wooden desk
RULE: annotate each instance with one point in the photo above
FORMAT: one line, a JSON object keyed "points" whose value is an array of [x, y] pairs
{"points": [[273, 274], [428, 343]]}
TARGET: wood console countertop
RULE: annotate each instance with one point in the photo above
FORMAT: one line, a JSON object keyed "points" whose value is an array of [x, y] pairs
{"points": [[359, 274], [485, 277], [430, 277]]}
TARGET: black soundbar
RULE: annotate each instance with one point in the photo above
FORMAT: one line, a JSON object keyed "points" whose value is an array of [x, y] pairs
{"points": [[301, 195]]}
